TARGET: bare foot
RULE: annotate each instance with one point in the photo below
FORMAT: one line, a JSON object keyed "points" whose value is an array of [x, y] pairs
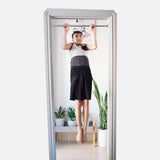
{"points": [[79, 136], [84, 138]]}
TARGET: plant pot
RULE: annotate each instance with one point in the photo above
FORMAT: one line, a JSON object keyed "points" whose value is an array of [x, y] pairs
{"points": [[90, 119], [72, 123], [59, 122], [102, 137]]}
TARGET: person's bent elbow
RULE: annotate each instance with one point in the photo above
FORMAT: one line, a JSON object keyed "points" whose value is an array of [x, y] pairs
{"points": [[64, 47], [95, 47]]}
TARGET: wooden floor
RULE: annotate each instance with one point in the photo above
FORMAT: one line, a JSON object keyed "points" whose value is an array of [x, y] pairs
{"points": [[84, 151]]}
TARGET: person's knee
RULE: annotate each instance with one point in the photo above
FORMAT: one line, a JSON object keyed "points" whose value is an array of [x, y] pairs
{"points": [[78, 103], [85, 103]]}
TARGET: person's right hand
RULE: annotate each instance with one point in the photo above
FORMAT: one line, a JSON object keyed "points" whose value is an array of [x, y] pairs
{"points": [[66, 29]]}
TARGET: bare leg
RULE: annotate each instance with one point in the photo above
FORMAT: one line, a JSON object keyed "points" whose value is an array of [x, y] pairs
{"points": [[85, 118], [78, 104]]}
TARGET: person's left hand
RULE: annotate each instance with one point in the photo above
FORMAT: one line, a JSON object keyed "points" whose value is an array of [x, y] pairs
{"points": [[92, 28]]}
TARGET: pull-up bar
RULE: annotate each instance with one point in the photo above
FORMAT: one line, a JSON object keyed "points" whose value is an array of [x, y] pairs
{"points": [[79, 26]]}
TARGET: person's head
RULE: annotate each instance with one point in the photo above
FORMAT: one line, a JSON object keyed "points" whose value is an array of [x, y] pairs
{"points": [[77, 37]]}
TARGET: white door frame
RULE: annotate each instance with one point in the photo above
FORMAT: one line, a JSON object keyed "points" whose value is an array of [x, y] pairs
{"points": [[52, 13]]}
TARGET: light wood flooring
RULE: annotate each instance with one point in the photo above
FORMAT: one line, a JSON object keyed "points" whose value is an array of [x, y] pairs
{"points": [[84, 151]]}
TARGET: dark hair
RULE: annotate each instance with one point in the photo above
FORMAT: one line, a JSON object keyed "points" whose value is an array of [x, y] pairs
{"points": [[76, 32]]}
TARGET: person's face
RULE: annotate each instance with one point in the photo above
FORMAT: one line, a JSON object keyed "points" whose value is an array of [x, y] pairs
{"points": [[77, 38]]}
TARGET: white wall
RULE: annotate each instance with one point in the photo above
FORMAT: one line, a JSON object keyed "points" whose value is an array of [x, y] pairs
{"points": [[98, 60], [23, 114]]}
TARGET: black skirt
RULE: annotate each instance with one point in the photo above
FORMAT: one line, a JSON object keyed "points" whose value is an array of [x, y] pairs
{"points": [[80, 83]]}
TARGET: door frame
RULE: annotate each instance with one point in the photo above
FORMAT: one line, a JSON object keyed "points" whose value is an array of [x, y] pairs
{"points": [[53, 13]]}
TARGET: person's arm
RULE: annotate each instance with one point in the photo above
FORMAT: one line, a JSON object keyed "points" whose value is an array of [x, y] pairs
{"points": [[94, 44], [66, 45]]}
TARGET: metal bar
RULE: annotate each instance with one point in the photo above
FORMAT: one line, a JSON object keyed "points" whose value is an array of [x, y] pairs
{"points": [[79, 25]]}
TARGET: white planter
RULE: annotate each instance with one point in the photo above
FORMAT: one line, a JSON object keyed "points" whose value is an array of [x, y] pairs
{"points": [[102, 137], [72, 123], [59, 122]]}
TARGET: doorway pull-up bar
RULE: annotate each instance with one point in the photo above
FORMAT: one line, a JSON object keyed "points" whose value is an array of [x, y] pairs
{"points": [[79, 26]]}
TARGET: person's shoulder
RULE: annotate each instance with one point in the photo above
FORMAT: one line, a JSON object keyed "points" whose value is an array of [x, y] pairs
{"points": [[84, 46], [71, 43]]}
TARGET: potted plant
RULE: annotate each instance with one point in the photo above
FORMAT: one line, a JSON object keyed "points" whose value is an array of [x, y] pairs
{"points": [[90, 119], [60, 114], [72, 117], [103, 108]]}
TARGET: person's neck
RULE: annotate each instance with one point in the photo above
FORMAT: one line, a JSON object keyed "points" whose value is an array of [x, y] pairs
{"points": [[78, 44]]}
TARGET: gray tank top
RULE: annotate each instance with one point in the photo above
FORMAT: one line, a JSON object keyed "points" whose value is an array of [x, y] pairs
{"points": [[78, 56]]}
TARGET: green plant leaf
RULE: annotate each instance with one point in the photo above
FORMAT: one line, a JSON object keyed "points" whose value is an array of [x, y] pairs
{"points": [[60, 113], [96, 89], [71, 113], [102, 104]]}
